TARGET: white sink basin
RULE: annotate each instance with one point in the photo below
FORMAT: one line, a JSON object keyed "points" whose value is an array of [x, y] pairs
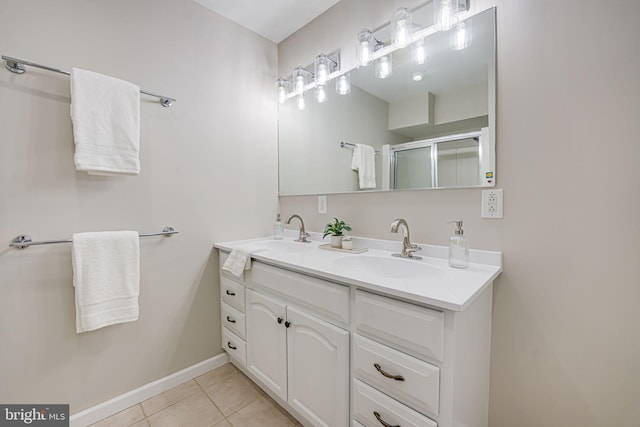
{"points": [[285, 245], [390, 267]]}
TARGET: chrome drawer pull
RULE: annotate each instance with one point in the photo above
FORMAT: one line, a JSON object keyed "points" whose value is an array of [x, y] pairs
{"points": [[230, 320], [388, 375], [230, 346], [233, 294], [383, 422]]}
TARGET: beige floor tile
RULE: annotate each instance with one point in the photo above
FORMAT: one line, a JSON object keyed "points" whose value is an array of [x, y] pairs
{"points": [[123, 418], [281, 409], [169, 397], [194, 411], [223, 423], [143, 423], [215, 375], [232, 393], [261, 413]]}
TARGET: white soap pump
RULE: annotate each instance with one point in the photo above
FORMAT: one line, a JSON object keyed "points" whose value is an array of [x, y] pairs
{"points": [[458, 247]]}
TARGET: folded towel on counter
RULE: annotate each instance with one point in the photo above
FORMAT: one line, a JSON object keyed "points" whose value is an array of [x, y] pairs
{"points": [[106, 277], [105, 112], [364, 161], [239, 259]]}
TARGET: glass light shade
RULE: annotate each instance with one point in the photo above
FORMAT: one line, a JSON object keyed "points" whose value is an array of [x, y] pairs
{"points": [[446, 13], [420, 53], [299, 80], [383, 67], [364, 50], [461, 37], [343, 84], [281, 90], [401, 27], [300, 102], [320, 94], [322, 69]]}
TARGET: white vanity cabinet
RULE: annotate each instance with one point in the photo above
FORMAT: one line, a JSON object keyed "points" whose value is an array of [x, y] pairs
{"points": [[301, 358], [343, 353]]}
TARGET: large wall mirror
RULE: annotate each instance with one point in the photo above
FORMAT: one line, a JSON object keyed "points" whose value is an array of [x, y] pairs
{"points": [[432, 125]]}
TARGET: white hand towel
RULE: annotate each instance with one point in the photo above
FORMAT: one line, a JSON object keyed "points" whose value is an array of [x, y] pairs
{"points": [[106, 276], [105, 112], [364, 161], [239, 259]]}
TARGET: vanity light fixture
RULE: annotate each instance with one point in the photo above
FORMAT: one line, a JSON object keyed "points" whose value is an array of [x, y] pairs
{"points": [[461, 36], [365, 47], [447, 13], [323, 66], [343, 84], [401, 27]]}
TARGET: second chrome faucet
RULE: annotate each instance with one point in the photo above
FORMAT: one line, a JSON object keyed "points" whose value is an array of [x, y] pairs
{"points": [[408, 248]]}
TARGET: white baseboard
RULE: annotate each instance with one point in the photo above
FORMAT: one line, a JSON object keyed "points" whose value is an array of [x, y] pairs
{"points": [[133, 397]]}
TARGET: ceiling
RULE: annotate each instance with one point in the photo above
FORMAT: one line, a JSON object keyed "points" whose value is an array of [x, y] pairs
{"points": [[273, 19]]}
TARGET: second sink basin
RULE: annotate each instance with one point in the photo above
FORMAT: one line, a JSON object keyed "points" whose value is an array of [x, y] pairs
{"points": [[393, 268]]}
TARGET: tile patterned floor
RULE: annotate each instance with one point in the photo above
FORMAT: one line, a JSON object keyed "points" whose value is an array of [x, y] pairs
{"points": [[223, 397]]}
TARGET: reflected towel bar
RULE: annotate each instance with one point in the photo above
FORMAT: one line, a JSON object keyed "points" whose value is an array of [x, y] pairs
{"points": [[24, 240], [18, 66], [350, 145]]}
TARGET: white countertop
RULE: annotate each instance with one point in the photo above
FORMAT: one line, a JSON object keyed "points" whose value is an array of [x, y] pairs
{"points": [[429, 281]]}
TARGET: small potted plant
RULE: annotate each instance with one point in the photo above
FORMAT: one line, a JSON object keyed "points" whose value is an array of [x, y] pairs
{"points": [[335, 229]]}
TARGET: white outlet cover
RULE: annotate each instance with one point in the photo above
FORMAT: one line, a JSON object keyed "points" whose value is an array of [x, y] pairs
{"points": [[492, 204]]}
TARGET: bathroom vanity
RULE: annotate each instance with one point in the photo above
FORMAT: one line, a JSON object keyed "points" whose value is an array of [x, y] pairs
{"points": [[341, 339]]}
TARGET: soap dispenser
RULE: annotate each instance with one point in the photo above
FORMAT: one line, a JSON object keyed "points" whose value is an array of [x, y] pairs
{"points": [[458, 248], [278, 229]]}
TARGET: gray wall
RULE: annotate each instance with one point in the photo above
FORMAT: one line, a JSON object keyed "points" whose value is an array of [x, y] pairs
{"points": [[566, 341], [209, 168]]}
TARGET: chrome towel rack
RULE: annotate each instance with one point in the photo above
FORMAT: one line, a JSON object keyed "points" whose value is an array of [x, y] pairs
{"points": [[18, 66], [24, 240], [350, 145]]}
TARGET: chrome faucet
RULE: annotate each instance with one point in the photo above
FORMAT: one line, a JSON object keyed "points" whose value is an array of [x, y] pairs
{"points": [[303, 236], [408, 248]]}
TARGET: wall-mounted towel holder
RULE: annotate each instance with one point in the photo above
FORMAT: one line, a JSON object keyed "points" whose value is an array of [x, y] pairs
{"points": [[18, 66], [23, 241]]}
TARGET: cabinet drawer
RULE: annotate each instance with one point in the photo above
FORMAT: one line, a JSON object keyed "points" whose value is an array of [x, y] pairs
{"points": [[369, 404], [420, 386], [407, 327], [232, 293], [223, 257], [233, 320], [327, 299], [234, 346]]}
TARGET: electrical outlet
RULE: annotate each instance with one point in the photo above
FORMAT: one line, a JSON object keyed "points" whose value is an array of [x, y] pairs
{"points": [[492, 205], [322, 204]]}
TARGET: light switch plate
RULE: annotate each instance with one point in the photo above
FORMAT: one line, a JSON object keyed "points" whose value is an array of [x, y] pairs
{"points": [[492, 203], [322, 204]]}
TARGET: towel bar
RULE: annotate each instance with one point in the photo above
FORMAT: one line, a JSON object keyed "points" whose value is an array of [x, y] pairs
{"points": [[24, 240], [18, 66]]}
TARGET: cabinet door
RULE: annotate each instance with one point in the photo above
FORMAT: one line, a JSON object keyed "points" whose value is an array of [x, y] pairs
{"points": [[318, 355], [267, 341]]}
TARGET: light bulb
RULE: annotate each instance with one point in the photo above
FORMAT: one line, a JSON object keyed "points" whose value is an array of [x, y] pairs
{"points": [[343, 84], [461, 37], [321, 65], [445, 14], [365, 47], [299, 80], [320, 94], [401, 27], [301, 104], [281, 88], [420, 54], [383, 68]]}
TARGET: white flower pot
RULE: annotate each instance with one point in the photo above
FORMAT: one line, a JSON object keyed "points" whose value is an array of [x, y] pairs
{"points": [[336, 241]]}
